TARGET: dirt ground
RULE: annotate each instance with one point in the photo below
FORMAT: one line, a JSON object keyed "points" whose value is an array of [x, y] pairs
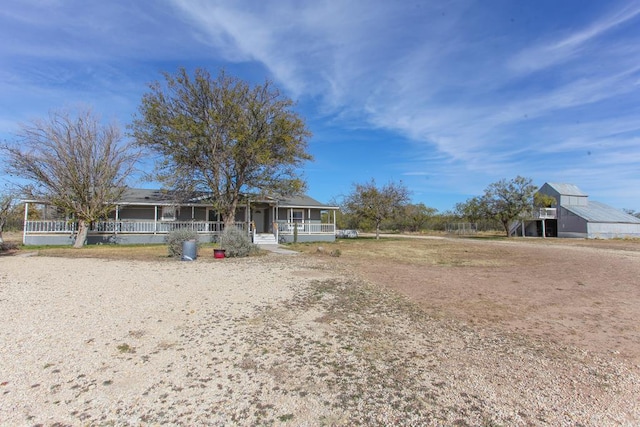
{"points": [[397, 331], [572, 292]]}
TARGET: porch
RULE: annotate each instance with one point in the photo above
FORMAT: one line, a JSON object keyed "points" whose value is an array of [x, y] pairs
{"points": [[288, 232], [140, 219], [288, 222], [541, 222], [62, 232]]}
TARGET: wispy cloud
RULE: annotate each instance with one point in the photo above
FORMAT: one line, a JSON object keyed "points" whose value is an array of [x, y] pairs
{"points": [[442, 81], [567, 46]]}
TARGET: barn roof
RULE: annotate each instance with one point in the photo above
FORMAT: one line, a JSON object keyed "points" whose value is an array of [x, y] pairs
{"points": [[599, 212], [566, 189]]}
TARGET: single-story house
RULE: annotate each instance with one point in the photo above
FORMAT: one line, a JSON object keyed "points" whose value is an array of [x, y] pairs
{"points": [[574, 215], [147, 216]]}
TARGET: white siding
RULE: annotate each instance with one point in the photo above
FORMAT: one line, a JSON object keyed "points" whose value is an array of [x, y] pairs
{"points": [[607, 230]]}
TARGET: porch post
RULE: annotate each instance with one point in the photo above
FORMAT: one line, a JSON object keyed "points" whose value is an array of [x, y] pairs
{"points": [[115, 226], [247, 217], [334, 221], [309, 220], [544, 234], [24, 226], [155, 219], [275, 222]]}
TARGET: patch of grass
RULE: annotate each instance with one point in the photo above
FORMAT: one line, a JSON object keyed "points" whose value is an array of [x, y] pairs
{"points": [[432, 252], [126, 348], [131, 252], [285, 417]]}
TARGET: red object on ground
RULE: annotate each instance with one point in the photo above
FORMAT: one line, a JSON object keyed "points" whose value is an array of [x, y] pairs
{"points": [[218, 253]]}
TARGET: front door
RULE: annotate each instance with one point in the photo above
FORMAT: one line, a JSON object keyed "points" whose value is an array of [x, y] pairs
{"points": [[258, 220]]}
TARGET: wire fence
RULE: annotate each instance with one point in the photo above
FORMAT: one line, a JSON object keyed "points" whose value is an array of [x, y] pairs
{"points": [[462, 228], [470, 228]]}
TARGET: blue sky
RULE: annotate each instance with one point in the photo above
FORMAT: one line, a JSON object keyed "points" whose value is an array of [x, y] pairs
{"points": [[445, 96]]}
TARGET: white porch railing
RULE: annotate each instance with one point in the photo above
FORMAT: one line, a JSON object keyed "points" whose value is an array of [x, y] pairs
{"points": [[545, 213], [163, 227], [52, 226], [127, 227], [306, 227]]}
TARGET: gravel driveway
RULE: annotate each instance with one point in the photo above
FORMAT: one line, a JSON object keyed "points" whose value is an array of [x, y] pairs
{"points": [[273, 340]]}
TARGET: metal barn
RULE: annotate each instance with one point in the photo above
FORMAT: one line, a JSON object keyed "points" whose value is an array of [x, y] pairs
{"points": [[574, 215]]}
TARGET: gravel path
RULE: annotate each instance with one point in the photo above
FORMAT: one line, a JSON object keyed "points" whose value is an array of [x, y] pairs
{"points": [[275, 340]]}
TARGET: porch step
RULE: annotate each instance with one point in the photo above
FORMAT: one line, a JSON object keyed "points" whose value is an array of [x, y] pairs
{"points": [[265, 239]]}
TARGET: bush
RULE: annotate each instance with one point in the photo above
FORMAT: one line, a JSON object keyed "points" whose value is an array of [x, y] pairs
{"points": [[236, 243], [8, 246], [175, 239]]}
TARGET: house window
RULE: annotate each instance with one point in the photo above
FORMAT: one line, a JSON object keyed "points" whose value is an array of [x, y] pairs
{"points": [[297, 215], [169, 213], [213, 215]]}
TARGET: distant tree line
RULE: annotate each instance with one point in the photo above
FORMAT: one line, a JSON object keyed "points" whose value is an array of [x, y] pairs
{"points": [[372, 208], [632, 212]]}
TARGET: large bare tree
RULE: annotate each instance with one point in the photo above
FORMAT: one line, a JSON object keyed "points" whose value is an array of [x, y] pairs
{"points": [[222, 136], [72, 162]]}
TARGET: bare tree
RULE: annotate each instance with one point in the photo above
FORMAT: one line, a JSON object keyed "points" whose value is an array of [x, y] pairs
{"points": [[7, 203], [370, 203], [74, 163]]}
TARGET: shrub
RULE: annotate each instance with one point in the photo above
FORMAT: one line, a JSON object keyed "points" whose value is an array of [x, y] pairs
{"points": [[236, 243], [8, 246], [175, 239]]}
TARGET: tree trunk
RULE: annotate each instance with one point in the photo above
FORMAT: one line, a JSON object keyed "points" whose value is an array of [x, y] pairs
{"points": [[81, 237], [377, 232], [506, 224], [229, 220]]}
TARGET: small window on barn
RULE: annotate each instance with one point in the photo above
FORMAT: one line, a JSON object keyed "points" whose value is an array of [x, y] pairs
{"points": [[169, 213]]}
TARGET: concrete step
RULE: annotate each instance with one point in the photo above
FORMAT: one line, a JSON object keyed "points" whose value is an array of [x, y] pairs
{"points": [[265, 239]]}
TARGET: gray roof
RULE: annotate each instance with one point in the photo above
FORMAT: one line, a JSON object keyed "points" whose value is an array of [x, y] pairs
{"points": [[303, 201], [143, 196], [566, 189], [599, 212]]}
